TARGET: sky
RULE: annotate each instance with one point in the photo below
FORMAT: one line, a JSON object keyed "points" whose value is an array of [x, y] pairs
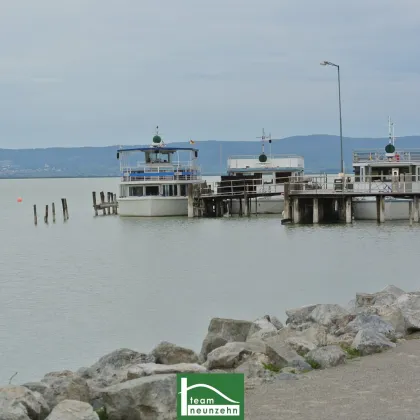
{"points": [[106, 72]]}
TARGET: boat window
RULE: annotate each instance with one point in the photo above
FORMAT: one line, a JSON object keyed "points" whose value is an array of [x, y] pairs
{"points": [[158, 157], [183, 190], [168, 190], [152, 190], [136, 191]]}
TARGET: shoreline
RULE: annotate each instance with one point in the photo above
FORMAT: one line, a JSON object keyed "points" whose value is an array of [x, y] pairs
{"points": [[268, 353]]}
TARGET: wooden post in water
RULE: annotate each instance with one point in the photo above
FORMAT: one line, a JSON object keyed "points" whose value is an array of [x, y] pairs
{"points": [[63, 205], [94, 202], [103, 202], [67, 209], [115, 204], [46, 214], [35, 216], [53, 212]]}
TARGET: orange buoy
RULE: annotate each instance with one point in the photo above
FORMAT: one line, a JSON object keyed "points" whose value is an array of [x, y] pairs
{"points": [[19, 200]]}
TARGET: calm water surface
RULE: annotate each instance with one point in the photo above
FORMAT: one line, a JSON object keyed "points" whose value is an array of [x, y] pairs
{"points": [[71, 292]]}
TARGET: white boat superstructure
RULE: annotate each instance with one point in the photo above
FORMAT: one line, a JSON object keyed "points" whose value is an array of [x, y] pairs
{"points": [[266, 173], [156, 184], [392, 170]]}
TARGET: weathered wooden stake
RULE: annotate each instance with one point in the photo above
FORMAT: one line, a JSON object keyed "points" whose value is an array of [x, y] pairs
{"points": [[63, 205], [103, 202], [53, 212], [46, 214], [115, 208], [67, 209], [35, 216], [109, 202], [94, 203]]}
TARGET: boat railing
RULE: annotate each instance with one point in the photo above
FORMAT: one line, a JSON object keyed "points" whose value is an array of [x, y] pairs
{"points": [[316, 184], [369, 155], [164, 172], [273, 161]]}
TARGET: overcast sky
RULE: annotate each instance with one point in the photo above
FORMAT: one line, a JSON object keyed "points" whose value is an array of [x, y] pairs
{"points": [[103, 72]]}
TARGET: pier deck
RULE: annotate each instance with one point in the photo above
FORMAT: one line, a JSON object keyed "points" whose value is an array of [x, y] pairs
{"points": [[311, 198]]}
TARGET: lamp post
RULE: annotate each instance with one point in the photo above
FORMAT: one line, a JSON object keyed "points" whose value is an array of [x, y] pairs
{"points": [[328, 63]]}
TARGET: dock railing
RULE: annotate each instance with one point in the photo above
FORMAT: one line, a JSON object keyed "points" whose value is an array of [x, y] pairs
{"points": [[182, 171], [314, 184]]}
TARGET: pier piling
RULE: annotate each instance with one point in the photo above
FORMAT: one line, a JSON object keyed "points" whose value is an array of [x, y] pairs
{"points": [[53, 211], [35, 216], [46, 214]]}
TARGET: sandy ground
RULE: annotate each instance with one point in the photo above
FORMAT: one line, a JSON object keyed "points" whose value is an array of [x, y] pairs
{"points": [[383, 386]]}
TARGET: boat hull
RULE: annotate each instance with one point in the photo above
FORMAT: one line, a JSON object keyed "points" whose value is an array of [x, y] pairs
{"points": [[395, 209], [153, 206], [265, 205]]}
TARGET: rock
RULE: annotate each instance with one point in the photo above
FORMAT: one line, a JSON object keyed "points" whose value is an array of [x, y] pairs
{"points": [[262, 334], [112, 368], [150, 397], [375, 299], [170, 354], [328, 315], [65, 385], [363, 321], [36, 386], [409, 304], [20, 401], [368, 341], [269, 324], [300, 366], [284, 350], [276, 322], [300, 345], [9, 411], [299, 316], [148, 369], [327, 356], [282, 376], [394, 316], [73, 410], [233, 354], [222, 331], [253, 366], [396, 291]]}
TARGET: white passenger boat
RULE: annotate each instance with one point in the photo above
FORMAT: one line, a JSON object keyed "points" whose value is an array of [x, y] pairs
{"points": [[157, 184], [388, 170], [266, 172]]}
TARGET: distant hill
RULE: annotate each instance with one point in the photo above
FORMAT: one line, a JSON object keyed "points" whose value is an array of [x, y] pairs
{"points": [[321, 153]]}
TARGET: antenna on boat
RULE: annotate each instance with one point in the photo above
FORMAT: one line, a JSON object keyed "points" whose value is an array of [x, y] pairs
{"points": [[157, 139], [390, 147], [263, 157]]}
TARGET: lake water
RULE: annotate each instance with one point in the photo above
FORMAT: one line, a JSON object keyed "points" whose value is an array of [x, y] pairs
{"points": [[71, 292]]}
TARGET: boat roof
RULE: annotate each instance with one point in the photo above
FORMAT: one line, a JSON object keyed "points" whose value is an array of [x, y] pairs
{"points": [[156, 149]]}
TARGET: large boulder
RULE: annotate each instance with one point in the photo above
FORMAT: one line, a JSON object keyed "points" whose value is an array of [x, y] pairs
{"points": [[150, 397], [222, 331], [298, 316], [266, 326], [327, 356], [409, 304], [368, 341], [255, 366], [19, 402], [170, 354], [65, 385], [112, 368], [73, 410], [233, 354], [148, 369], [373, 322], [282, 349], [330, 315], [394, 316]]}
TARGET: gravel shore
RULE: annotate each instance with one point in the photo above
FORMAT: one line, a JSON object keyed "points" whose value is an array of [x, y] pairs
{"points": [[382, 386]]}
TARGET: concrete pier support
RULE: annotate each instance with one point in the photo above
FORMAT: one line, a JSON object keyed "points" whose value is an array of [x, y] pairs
{"points": [[315, 214], [410, 212], [380, 209], [286, 208], [190, 201], [416, 209], [296, 211], [348, 210], [246, 206]]}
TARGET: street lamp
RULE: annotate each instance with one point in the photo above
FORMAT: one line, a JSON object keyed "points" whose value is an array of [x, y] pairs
{"points": [[328, 63]]}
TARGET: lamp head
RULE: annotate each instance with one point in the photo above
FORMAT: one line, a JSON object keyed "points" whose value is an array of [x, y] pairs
{"points": [[324, 63]]}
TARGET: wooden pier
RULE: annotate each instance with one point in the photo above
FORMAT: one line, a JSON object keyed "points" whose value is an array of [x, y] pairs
{"points": [[107, 207], [307, 199]]}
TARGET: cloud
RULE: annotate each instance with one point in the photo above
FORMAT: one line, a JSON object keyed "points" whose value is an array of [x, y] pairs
{"points": [[98, 72]]}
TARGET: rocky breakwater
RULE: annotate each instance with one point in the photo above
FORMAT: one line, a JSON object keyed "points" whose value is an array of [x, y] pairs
{"points": [[128, 384]]}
